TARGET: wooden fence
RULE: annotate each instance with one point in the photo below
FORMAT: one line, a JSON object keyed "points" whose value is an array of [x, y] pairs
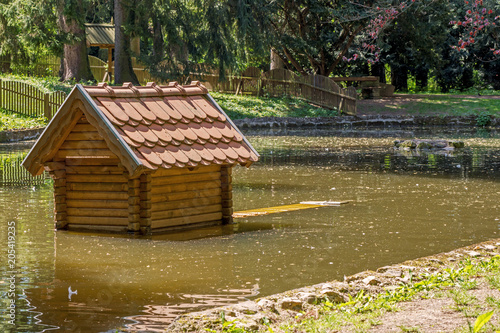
{"points": [[26, 99], [12, 173], [316, 89]]}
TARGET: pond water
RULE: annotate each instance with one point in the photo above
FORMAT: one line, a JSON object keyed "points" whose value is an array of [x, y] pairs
{"points": [[402, 206]]}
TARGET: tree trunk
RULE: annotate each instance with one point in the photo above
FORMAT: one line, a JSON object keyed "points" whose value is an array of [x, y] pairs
{"points": [[276, 61], [123, 62], [378, 69], [158, 44], [75, 62], [399, 77], [422, 78]]}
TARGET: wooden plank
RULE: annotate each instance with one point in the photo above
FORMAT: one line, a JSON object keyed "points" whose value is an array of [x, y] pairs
{"points": [[166, 214], [97, 212], [100, 170], [185, 187], [191, 202], [107, 187], [287, 208], [98, 203], [101, 228], [97, 161], [211, 217], [78, 136], [63, 153], [84, 144], [92, 220], [90, 195], [178, 172], [96, 178], [186, 195], [83, 128], [189, 178]]}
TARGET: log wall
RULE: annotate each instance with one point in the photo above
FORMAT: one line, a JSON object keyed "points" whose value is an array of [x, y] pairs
{"points": [[97, 189], [180, 197]]}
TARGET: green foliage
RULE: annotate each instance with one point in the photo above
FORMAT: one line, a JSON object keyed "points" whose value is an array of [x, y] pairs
{"points": [[482, 320], [483, 119], [13, 121], [357, 309], [239, 107]]}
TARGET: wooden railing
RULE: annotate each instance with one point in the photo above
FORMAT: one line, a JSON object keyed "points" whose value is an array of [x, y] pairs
{"points": [[316, 89], [26, 99]]}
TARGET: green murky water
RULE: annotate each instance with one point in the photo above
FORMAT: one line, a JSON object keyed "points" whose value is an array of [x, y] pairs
{"points": [[403, 206]]}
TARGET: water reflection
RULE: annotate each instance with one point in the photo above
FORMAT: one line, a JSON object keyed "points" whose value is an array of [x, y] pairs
{"points": [[403, 206]]}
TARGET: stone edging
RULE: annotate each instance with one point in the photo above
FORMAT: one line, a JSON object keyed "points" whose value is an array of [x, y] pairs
{"points": [[254, 315], [361, 121], [20, 135]]}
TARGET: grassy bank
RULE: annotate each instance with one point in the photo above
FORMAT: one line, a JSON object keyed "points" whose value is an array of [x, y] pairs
{"points": [[239, 107], [457, 291], [468, 287], [14, 121]]}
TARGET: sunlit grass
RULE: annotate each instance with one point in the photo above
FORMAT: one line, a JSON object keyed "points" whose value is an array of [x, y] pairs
{"points": [[14, 121], [239, 107]]}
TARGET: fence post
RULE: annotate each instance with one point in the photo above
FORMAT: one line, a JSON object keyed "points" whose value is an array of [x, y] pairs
{"points": [[46, 106]]}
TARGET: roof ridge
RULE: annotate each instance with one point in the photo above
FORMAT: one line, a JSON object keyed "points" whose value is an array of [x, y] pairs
{"points": [[151, 89]]}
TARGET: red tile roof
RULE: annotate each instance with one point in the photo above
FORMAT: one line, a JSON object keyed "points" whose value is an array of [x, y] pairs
{"points": [[171, 126]]}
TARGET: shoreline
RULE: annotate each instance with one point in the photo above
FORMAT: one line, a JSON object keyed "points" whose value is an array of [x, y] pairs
{"points": [[340, 122], [270, 311]]}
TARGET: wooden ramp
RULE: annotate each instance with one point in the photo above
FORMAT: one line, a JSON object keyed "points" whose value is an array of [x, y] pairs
{"points": [[286, 208]]}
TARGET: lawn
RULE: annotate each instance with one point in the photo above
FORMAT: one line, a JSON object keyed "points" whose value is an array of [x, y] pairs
{"points": [[238, 107], [15, 121]]}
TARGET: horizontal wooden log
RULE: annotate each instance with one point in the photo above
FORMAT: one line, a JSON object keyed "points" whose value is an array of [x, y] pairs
{"points": [[58, 174], [63, 153], [60, 207], [185, 187], [102, 228], [98, 220], [191, 202], [227, 203], [134, 191], [112, 204], [82, 120], [227, 187], [83, 128], [166, 214], [52, 166], [134, 209], [59, 199], [72, 178], [188, 178], [96, 161], [107, 187], [186, 195], [227, 211], [146, 213], [100, 195], [146, 205], [134, 182], [84, 144], [178, 172], [86, 170], [227, 195], [60, 182], [146, 196], [134, 226], [95, 212], [185, 220], [134, 201], [79, 136]]}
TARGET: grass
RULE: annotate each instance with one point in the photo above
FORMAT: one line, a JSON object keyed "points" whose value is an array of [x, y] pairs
{"points": [[46, 84], [15, 121], [364, 311], [239, 107]]}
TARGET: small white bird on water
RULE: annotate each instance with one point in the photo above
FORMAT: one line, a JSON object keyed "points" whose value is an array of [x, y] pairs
{"points": [[71, 292]]}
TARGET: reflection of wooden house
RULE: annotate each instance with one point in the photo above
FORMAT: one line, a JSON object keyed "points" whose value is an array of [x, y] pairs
{"points": [[140, 159]]}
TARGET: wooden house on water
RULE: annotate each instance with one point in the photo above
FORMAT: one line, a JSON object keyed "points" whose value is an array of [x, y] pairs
{"points": [[140, 159]]}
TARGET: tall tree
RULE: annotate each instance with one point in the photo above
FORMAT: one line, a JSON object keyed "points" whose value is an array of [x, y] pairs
{"points": [[74, 62], [123, 14]]}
